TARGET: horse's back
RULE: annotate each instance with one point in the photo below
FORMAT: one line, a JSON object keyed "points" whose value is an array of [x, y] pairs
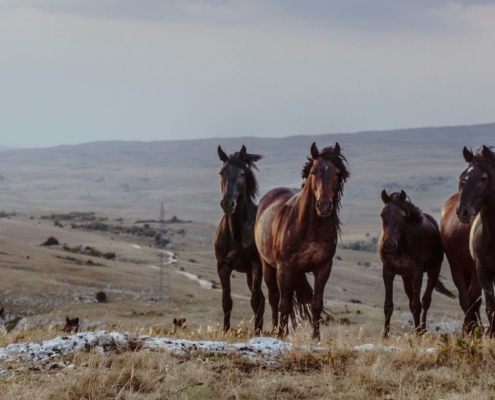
{"points": [[455, 237]]}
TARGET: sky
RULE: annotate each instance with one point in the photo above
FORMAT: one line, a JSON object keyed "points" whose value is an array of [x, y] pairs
{"points": [[76, 71]]}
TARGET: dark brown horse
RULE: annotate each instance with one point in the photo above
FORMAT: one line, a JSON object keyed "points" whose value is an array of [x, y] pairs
{"points": [[477, 206], [71, 325], [409, 246], [296, 232], [455, 241], [235, 248]]}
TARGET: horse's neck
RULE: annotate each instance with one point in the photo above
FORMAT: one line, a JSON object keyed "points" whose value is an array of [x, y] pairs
{"points": [[305, 208], [241, 215]]}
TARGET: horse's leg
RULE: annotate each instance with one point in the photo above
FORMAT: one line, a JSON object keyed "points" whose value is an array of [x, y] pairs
{"points": [[388, 306], [486, 281], [257, 298], [426, 301], [321, 279], [415, 302], [460, 282], [224, 272], [270, 275], [286, 285], [475, 294]]}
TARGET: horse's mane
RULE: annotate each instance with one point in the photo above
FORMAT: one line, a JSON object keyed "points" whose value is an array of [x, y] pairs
{"points": [[247, 163], [413, 212], [485, 161], [341, 163]]}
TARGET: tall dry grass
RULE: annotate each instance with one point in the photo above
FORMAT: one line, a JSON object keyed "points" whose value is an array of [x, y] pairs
{"points": [[458, 369]]}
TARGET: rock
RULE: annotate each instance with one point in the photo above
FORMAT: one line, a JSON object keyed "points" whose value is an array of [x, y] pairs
{"points": [[51, 241]]}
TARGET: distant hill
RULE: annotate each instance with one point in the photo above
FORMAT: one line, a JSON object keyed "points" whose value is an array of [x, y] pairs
{"points": [[133, 178]]}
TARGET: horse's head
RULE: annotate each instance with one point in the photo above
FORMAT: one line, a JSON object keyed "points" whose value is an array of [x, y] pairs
{"points": [[394, 216], [474, 183], [326, 173], [237, 178]]}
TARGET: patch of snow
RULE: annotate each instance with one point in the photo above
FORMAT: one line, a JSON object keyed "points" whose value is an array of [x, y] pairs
{"points": [[258, 349], [337, 289], [207, 284], [202, 282], [450, 327], [136, 246], [371, 346]]}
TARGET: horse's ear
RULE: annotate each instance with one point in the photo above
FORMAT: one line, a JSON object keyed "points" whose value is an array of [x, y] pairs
{"points": [[385, 196], [402, 196], [77, 320], [67, 319], [336, 148], [468, 155], [223, 157], [485, 152], [314, 151], [242, 153], [175, 320]]}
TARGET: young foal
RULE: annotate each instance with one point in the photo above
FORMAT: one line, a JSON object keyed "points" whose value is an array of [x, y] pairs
{"points": [[296, 232], [235, 248], [409, 246], [477, 205]]}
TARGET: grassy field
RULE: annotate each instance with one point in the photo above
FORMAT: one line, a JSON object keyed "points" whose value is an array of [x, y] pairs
{"points": [[457, 369]]}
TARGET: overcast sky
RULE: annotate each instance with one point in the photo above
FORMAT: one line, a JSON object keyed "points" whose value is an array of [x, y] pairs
{"points": [[74, 71]]}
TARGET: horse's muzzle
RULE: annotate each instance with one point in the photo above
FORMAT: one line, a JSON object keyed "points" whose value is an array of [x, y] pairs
{"points": [[228, 206], [324, 208], [466, 214]]}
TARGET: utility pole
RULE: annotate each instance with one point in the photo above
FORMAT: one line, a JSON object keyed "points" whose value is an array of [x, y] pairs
{"points": [[164, 259]]}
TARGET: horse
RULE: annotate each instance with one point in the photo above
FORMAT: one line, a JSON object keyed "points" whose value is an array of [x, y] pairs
{"points": [[235, 249], [71, 325], [409, 246], [477, 206], [455, 241], [296, 232], [179, 323]]}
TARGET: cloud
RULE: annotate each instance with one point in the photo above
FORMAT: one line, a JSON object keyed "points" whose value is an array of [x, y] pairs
{"points": [[377, 15]]}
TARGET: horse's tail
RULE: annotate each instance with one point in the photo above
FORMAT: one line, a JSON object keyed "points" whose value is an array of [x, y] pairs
{"points": [[302, 303], [440, 287]]}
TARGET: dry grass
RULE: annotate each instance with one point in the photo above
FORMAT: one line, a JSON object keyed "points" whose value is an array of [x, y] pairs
{"points": [[459, 369]]}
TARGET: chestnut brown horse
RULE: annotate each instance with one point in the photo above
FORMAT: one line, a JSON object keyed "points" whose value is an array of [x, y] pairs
{"points": [[235, 248], [455, 241], [409, 246], [296, 232], [477, 206]]}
